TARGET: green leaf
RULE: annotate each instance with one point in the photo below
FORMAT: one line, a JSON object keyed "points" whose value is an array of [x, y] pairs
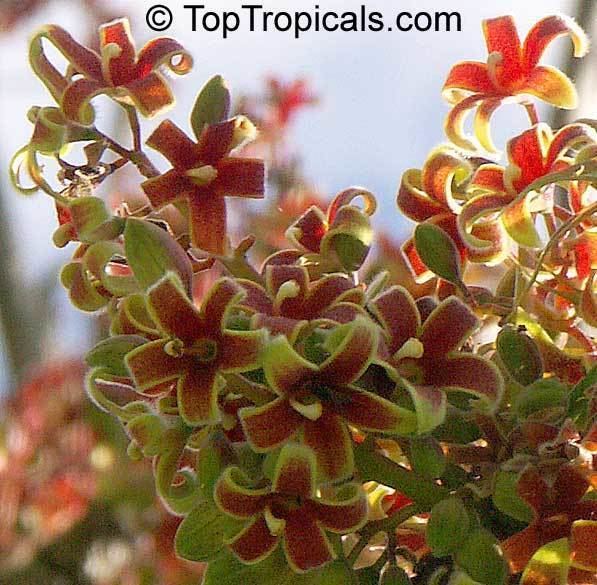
{"points": [[211, 462], [427, 457], [550, 564], [147, 430], [152, 252], [349, 237], [373, 466], [578, 403], [274, 570], [520, 355], [439, 253], [212, 104], [540, 395], [200, 536], [92, 220], [481, 558], [109, 353], [506, 498], [448, 526]]}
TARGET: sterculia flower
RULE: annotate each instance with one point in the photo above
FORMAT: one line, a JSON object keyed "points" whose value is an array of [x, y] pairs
{"points": [[195, 347], [535, 153], [425, 355], [436, 194], [203, 174], [316, 403], [118, 71], [290, 510], [512, 71]]}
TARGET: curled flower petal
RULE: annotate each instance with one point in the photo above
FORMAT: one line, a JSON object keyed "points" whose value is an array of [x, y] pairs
{"points": [[254, 543], [236, 499], [295, 471], [447, 328], [547, 30], [305, 543]]}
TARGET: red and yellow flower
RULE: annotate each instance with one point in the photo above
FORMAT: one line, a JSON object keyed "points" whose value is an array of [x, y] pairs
{"points": [[118, 71], [423, 354], [531, 155], [290, 511], [512, 71], [560, 512], [436, 194], [318, 402], [195, 348], [203, 174]]}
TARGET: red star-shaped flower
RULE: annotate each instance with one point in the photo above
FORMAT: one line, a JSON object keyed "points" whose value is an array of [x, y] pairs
{"points": [[194, 349], [319, 401], [512, 69], [290, 511], [118, 71], [290, 300], [203, 174], [425, 356]]}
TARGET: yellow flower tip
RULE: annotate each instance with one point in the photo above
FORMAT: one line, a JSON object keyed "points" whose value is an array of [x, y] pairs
{"points": [[111, 51], [276, 525], [244, 131], [202, 176], [288, 290], [174, 348], [493, 60], [411, 348], [311, 411]]}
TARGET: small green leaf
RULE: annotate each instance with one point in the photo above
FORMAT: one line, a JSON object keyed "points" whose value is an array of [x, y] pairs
{"points": [[540, 395], [439, 253], [152, 252], [200, 536], [212, 104], [520, 355], [373, 466], [448, 526], [225, 569], [92, 220], [211, 462], [427, 457], [147, 431], [481, 558], [506, 498], [550, 563], [109, 353]]}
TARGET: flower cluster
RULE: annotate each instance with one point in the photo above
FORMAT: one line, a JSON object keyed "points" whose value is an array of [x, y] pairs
{"points": [[323, 414]]}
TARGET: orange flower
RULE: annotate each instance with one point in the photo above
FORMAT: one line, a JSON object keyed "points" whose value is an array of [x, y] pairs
{"points": [[118, 71], [512, 69]]}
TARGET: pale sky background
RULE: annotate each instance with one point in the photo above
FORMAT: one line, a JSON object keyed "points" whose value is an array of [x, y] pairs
{"points": [[380, 114]]}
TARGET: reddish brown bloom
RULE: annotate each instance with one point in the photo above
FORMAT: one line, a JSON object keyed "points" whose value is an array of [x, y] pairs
{"points": [[118, 71], [559, 512], [203, 174], [436, 194], [290, 300], [343, 233], [319, 400], [289, 510], [425, 357], [531, 155], [512, 70], [195, 348]]}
